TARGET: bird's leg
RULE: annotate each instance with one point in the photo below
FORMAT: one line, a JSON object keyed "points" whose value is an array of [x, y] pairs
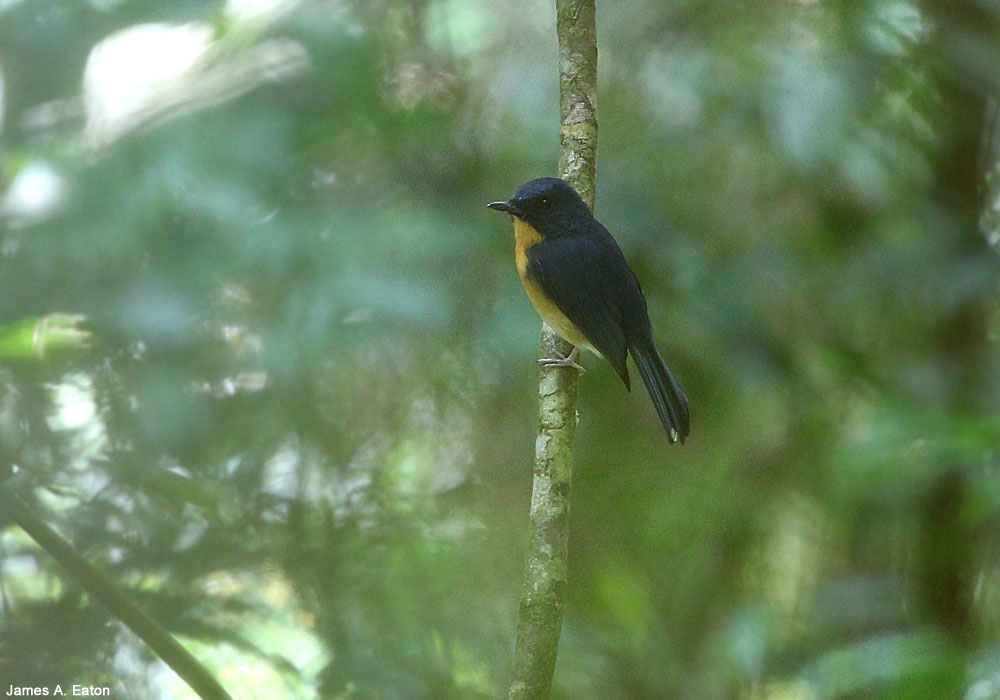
{"points": [[560, 361]]}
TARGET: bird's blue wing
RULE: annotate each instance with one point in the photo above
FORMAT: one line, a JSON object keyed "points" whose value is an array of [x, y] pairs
{"points": [[583, 276]]}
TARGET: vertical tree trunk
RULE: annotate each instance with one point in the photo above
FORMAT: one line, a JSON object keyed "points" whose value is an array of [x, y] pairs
{"points": [[963, 32], [544, 586]]}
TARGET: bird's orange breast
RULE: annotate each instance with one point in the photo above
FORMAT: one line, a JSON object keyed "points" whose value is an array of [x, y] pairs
{"points": [[526, 236]]}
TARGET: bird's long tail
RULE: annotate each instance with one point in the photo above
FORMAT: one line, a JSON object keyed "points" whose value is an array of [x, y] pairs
{"points": [[667, 396]]}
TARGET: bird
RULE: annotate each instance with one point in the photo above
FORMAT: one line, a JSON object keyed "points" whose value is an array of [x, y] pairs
{"points": [[580, 283]]}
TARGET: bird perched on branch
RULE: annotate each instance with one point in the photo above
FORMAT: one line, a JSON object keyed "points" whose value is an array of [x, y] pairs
{"points": [[579, 282]]}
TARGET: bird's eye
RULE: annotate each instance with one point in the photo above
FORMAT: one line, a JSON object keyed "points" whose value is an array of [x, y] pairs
{"points": [[544, 202]]}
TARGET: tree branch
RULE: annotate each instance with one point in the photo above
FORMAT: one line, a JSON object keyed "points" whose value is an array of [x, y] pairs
{"points": [[544, 586], [103, 589]]}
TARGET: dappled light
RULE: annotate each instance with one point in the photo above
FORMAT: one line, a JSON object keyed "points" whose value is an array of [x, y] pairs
{"points": [[266, 362]]}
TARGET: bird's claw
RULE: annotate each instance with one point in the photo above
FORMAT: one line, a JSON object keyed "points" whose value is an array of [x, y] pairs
{"points": [[560, 361]]}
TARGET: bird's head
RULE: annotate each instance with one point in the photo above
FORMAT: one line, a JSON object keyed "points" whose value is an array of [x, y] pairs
{"points": [[548, 204]]}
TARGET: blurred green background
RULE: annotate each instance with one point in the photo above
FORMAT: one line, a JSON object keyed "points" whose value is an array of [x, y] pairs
{"points": [[265, 359]]}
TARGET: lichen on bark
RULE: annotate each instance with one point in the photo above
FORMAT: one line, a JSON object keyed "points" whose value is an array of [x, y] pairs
{"points": [[545, 574]]}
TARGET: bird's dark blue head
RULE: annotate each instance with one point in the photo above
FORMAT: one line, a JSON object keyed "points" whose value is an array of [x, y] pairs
{"points": [[549, 204]]}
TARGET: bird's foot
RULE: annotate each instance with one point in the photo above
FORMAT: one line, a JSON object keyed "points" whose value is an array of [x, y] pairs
{"points": [[560, 361]]}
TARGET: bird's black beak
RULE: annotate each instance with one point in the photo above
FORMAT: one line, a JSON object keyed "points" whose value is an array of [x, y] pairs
{"points": [[504, 206]]}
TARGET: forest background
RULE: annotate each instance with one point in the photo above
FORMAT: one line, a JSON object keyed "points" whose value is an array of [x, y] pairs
{"points": [[265, 360]]}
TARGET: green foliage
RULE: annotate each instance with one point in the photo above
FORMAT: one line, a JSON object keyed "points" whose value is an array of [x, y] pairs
{"points": [[265, 361]]}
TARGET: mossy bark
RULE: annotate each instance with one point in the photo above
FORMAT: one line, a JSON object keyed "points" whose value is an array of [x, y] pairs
{"points": [[544, 586]]}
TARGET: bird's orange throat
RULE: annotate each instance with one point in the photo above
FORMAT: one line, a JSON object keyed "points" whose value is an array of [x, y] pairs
{"points": [[525, 236]]}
